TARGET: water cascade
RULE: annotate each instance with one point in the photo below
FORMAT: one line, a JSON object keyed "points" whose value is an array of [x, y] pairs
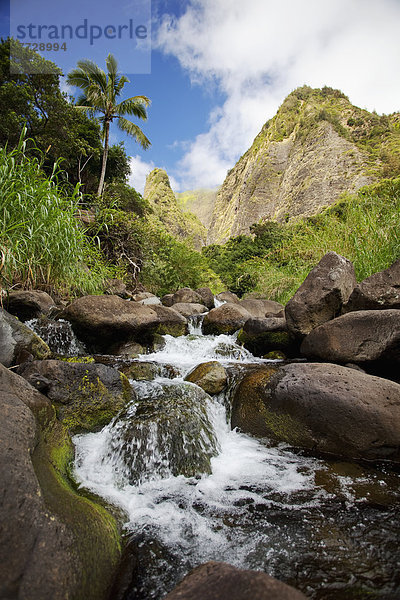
{"points": [[193, 490]]}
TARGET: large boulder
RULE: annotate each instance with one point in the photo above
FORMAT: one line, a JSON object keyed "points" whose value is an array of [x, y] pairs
{"points": [[170, 321], [363, 336], [207, 296], [260, 308], [17, 341], [377, 292], [325, 408], [228, 297], [210, 376], [263, 335], [54, 543], [101, 321], [190, 309], [220, 581], [227, 319], [321, 296], [187, 295], [166, 433], [86, 396], [28, 304]]}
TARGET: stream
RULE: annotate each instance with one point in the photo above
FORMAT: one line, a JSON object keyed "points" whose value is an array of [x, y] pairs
{"points": [[329, 528]]}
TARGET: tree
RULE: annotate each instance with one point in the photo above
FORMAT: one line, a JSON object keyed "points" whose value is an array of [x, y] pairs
{"points": [[100, 93]]}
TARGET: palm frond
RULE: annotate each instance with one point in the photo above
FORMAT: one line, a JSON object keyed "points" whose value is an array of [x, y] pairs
{"points": [[134, 131], [135, 106]]}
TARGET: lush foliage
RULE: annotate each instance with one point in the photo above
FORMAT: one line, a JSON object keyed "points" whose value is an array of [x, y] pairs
{"points": [[149, 255], [365, 228], [34, 100], [41, 243]]}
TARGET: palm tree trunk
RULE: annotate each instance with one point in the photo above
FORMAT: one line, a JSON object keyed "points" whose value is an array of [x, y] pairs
{"points": [[105, 155]]}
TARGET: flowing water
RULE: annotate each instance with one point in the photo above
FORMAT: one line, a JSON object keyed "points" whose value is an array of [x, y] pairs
{"points": [[328, 528]]}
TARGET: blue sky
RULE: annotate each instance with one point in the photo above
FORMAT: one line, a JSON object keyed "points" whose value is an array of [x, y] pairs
{"points": [[219, 69]]}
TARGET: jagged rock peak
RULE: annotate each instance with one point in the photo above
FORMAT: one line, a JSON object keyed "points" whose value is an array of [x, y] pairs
{"points": [[162, 199], [315, 148]]}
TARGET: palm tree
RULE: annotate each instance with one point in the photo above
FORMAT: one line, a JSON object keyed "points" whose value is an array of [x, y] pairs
{"points": [[100, 93]]}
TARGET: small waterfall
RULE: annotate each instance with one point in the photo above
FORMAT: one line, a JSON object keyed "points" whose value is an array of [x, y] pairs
{"points": [[218, 303], [195, 323], [195, 490], [58, 335]]}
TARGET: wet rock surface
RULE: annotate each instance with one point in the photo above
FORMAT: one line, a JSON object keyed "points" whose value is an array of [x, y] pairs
{"points": [[220, 581], [18, 342], [325, 408], [210, 376], [86, 396]]}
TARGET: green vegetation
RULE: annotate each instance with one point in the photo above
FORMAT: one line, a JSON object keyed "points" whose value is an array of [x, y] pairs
{"points": [[100, 94], [41, 242], [275, 261]]}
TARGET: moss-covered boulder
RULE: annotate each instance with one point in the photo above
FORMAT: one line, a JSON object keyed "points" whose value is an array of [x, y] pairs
{"points": [[54, 543], [210, 376], [325, 408], [167, 432], [17, 341], [227, 319], [86, 396]]}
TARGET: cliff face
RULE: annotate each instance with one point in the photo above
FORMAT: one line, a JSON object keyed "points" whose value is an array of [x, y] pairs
{"points": [[166, 211], [316, 147], [199, 202]]}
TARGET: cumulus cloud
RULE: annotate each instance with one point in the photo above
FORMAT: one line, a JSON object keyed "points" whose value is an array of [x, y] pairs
{"points": [[259, 51]]}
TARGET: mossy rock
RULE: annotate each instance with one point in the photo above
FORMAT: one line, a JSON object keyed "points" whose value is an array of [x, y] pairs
{"points": [[210, 376], [60, 544], [166, 433], [86, 396]]}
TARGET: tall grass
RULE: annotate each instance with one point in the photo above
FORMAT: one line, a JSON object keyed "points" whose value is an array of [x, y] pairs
{"points": [[365, 228], [41, 243]]}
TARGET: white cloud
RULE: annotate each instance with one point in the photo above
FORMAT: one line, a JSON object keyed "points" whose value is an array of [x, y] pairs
{"points": [[139, 171], [259, 51]]}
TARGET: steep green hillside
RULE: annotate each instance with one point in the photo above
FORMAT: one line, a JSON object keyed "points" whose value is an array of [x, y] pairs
{"points": [[165, 208], [317, 147]]}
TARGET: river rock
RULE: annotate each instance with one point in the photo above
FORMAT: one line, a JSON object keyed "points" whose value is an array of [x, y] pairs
{"points": [[261, 308], [167, 300], [170, 321], [210, 376], [127, 350], [190, 309], [165, 433], [18, 342], [325, 408], [321, 296], [220, 581], [101, 321], [363, 336], [263, 335], [86, 396], [207, 296], [28, 304], [228, 297], [142, 296], [187, 295], [227, 319], [150, 301], [379, 291], [54, 544]]}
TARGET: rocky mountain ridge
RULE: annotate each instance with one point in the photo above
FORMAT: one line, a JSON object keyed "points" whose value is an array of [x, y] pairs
{"points": [[317, 147]]}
